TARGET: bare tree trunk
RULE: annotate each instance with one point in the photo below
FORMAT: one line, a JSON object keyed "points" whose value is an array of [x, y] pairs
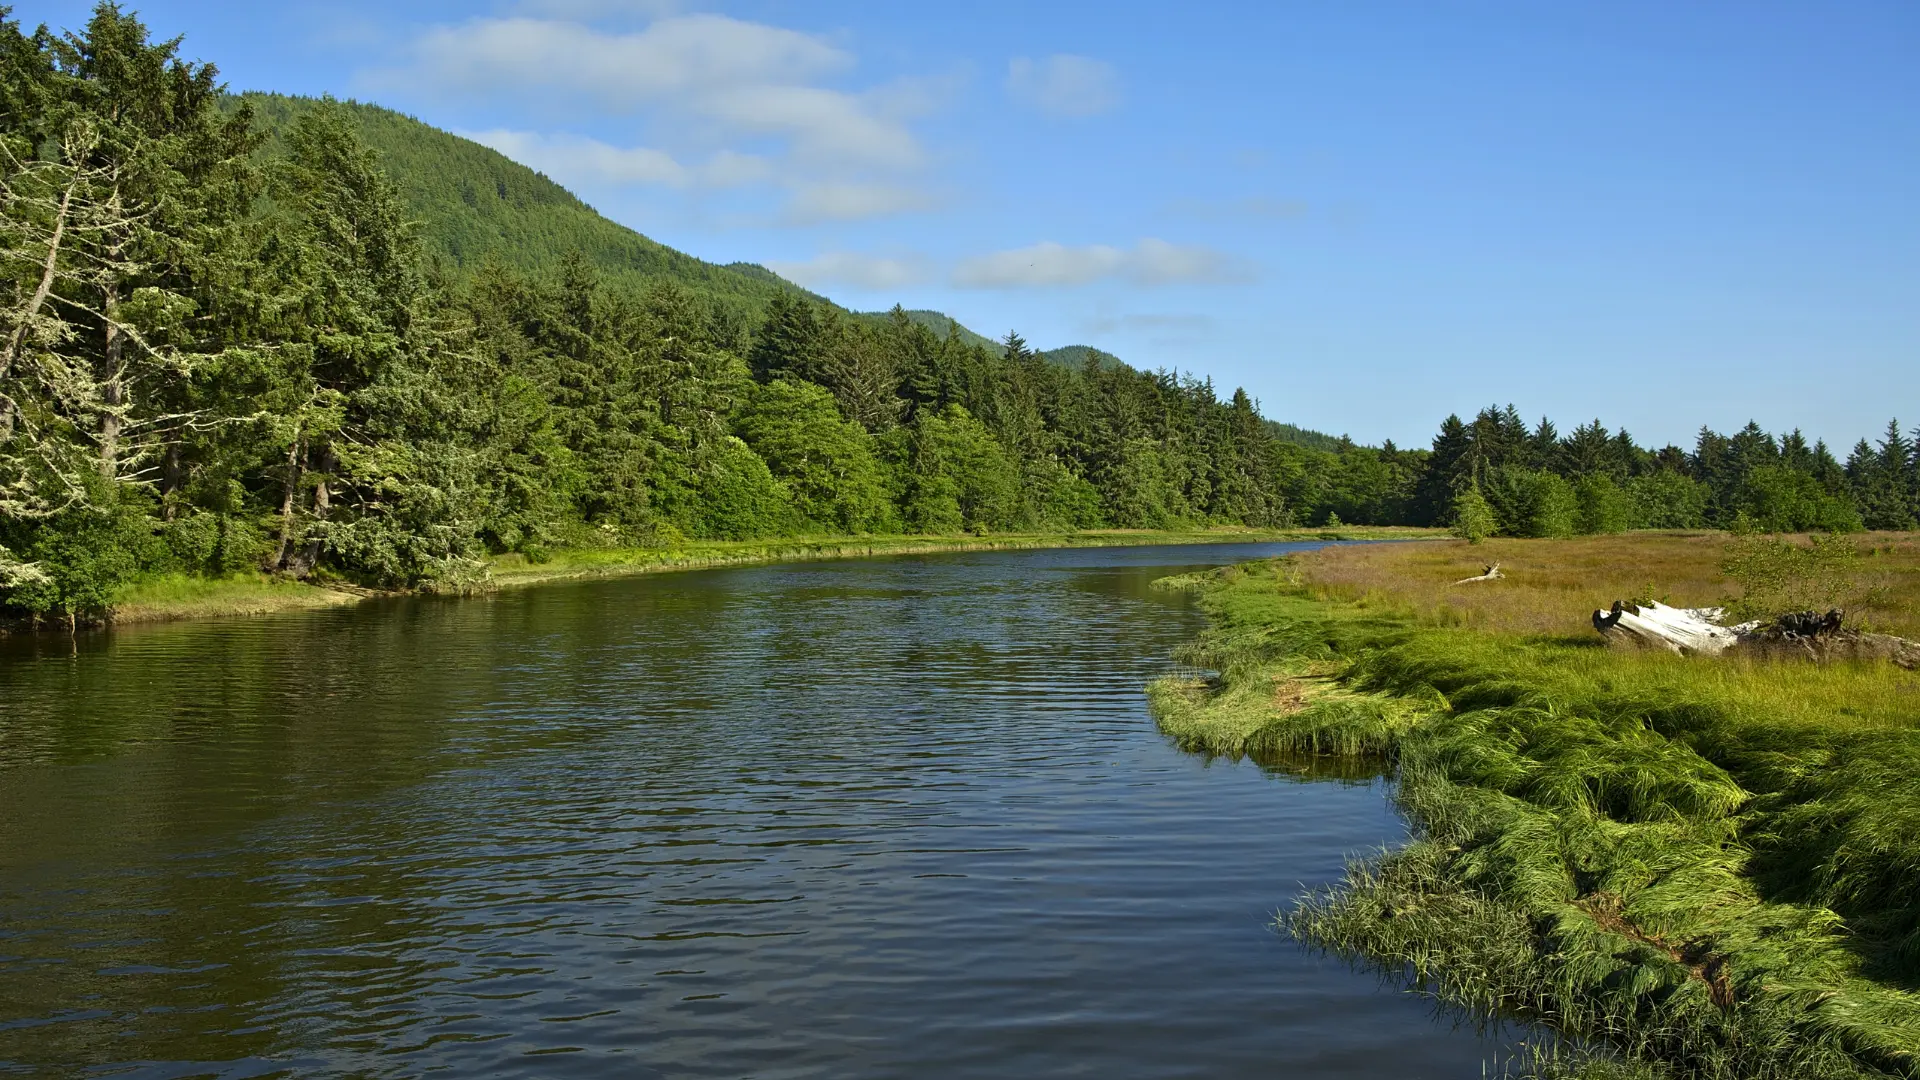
{"points": [[322, 503], [48, 271], [294, 456], [171, 479], [113, 389]]}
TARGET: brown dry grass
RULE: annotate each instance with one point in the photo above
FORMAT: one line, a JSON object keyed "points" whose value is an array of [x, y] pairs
{"points": [[1553, 586]]}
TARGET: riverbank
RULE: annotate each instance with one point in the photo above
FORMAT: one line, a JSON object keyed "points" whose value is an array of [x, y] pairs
{"points": [[178, 596], [1709, 867]]}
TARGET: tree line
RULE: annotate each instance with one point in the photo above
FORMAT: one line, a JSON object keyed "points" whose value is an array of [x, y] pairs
{"points": [[223, 350], [1495, 474]]}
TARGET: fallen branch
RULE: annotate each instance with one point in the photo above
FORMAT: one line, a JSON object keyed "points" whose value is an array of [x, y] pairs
{"points": [[1493, 574]]}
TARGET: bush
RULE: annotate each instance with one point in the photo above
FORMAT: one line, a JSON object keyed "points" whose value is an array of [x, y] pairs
{"points": [[1666, 500], [1472, 517], [1601, 507], [1776, 575], [1528, 502], [79, 560]]}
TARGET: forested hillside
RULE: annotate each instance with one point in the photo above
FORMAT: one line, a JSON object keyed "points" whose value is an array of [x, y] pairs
{"points": [[473, 203], [324, 341]]}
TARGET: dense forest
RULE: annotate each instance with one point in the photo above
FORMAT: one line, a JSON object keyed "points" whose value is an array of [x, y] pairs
{"points": [[244, 333]]}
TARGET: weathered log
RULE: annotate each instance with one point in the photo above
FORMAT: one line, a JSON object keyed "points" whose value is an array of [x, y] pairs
{"points": [[1688, 631], [1803, 635], [1493, 574]]}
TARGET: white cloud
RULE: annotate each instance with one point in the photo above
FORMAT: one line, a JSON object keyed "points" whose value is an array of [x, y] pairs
{"points": [[863, 271], [749, 79], [854, 202], [1064, 85], [598, 9], [575, 159], [674, 56], [688, 84], [1052, 265]]}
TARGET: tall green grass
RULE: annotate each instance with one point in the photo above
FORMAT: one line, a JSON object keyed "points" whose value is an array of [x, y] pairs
{"points": [[1712, 869]]}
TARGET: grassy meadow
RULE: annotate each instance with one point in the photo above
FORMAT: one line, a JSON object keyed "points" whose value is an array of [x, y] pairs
{"points": [[1694, 867]]}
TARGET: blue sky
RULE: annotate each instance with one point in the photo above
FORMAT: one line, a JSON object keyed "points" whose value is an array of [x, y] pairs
{"points": [[1368, 214]]}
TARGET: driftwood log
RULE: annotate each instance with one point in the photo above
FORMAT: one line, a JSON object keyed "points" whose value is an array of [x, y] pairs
{"points": [[1688, 631], [1808, 635], [1493, 574]]}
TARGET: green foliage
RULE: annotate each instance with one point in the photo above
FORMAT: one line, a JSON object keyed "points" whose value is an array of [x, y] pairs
{"points": [[1775, 498], [79, 559], [1473, 519], [737, 498], [1530, 502], [827, 462], [1601, 506], [1666, 499], [1777, 575], [958, 476]]}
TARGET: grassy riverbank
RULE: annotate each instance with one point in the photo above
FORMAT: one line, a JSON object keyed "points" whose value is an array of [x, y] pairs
{"points": [[1710, 867], [178, 596]]}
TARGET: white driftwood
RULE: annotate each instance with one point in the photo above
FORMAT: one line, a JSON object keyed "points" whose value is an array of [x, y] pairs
{"points": [[1687, 631], [1493, 574]]}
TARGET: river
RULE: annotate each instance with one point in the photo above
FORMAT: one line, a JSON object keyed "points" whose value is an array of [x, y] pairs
{"points": [[897, 817]]}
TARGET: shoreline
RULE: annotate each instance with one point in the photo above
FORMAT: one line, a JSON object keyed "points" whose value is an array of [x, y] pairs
{"points": [[1629, 850], [179, 597]]}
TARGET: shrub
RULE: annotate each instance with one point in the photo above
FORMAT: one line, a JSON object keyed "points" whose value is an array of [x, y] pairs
{"points": [[1600, 506], [1472, 517]]}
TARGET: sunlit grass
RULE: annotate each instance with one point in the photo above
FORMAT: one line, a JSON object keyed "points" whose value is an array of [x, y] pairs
{"points": [[183, 596], [1710, 865], [1552, 586]]}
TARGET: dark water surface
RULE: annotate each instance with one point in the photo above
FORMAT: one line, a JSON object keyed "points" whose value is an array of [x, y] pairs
{"points": [[881, 818]]}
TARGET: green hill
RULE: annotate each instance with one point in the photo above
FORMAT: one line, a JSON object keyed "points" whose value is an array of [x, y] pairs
{"points": [[473, 202]]}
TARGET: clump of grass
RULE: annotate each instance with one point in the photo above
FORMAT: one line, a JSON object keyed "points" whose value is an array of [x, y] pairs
{"points": [[1712, 868], [183, 596]]}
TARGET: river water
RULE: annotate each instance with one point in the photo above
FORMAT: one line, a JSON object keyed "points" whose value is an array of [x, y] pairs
{"points": [[898, 817]]}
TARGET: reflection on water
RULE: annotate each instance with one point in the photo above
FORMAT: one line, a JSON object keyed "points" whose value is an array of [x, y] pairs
{"points": [[902, 817]]}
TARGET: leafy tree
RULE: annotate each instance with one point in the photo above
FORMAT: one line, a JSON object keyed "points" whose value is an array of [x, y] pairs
{"points": [[1602, 507], [1666, 499], [1472, 518], [826, 461], [959, 476]]}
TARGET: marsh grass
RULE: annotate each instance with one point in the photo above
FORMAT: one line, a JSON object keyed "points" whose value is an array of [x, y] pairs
{"points": [[1710, 868], [183, 596], [1551, 587]]}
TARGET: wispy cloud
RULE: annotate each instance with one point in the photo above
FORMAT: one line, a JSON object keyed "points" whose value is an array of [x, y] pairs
{"points": [[861, 271], [855, 202], [590, 161], [715, 102], [1052, 265], [1064, 85]]}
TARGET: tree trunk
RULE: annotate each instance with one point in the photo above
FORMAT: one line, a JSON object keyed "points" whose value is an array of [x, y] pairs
{"points": [[113, 388], [322, 503], [48, 270], [294, 457], [171, 479]]}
